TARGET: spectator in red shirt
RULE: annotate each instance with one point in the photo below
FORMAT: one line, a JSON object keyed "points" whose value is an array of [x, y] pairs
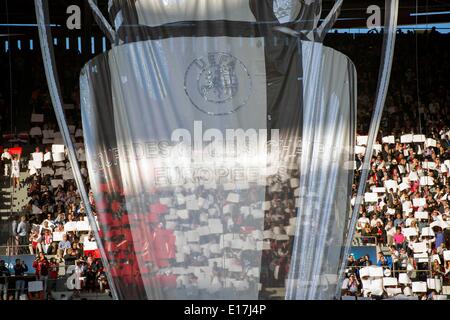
{"points": [[53, 273]]}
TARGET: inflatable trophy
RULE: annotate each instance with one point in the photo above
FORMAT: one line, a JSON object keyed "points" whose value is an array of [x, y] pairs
{"points": [[219, 134]]}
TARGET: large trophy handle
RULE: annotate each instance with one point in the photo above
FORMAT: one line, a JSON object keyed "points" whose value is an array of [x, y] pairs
{"points": [[46, 42], [390, 34]]}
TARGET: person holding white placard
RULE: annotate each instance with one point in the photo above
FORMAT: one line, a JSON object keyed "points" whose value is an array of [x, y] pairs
{"points": [[15, 170]]}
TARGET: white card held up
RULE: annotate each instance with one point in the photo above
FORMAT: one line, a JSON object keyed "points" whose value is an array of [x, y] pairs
{"points": [[58, 157], [360, 150], [379, 190], [362, 140], [245, 211], [233, 197], [413, 176], [419, 286], [430, 142], [268, 234], [404, 186], [389, 281], [447, 255], [47, 156], [391, 184], [35, 132], [37, 117], [409, 232], [434, 284], [83, 226], [48, 134], [421, 255], [266, 245], [90, 245], [266, 205], [426, 181], [389, 139], [370, 197], [376, 272], [58, 236], [421, 215], [377, 148], [183, 214], [257, 214], [193, 236], [419, 247], [290, 230], [429, 165], [447, 163], [294, 183], [68, 175], [282, 237], [36, 209], [364, 272], [166, 201], [257, 235], [38, 156], [215, 226], [407, 138], [58, 148], [35, 286], [57, 182], [419, 138], [70, 226], [192, 204], [226, 209], [419, 202], [391, 211], [436, 257], [403, 278]]}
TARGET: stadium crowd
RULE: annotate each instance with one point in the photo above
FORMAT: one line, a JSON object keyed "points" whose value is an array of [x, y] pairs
{"points": [[406, 207]]}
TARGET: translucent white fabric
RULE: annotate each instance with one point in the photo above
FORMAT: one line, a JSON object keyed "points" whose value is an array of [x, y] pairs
{"points": [[216, 144]]}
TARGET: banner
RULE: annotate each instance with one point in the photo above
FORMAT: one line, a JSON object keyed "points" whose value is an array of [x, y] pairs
{"points": [[197, 135]]}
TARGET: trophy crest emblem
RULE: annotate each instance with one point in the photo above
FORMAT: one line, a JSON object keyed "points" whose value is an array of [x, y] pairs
{"points": [[219, 84]]}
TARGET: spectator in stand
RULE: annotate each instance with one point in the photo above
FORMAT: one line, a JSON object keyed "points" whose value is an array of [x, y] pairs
{"points": [[63, 246], [19, 271], [15, 171], [399, 239], [384, 261], [22, 234], [35, 242], [4, 274], [53, 273], [41, 265], [46, 242], [70, 257], [380, 233]]}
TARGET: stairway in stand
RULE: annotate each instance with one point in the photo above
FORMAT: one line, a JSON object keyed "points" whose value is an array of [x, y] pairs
{"points": [[11, 202]]}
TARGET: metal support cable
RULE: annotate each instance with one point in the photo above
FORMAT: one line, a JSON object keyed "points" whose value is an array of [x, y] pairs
{"points": [[390, 34], [42, 17]]}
